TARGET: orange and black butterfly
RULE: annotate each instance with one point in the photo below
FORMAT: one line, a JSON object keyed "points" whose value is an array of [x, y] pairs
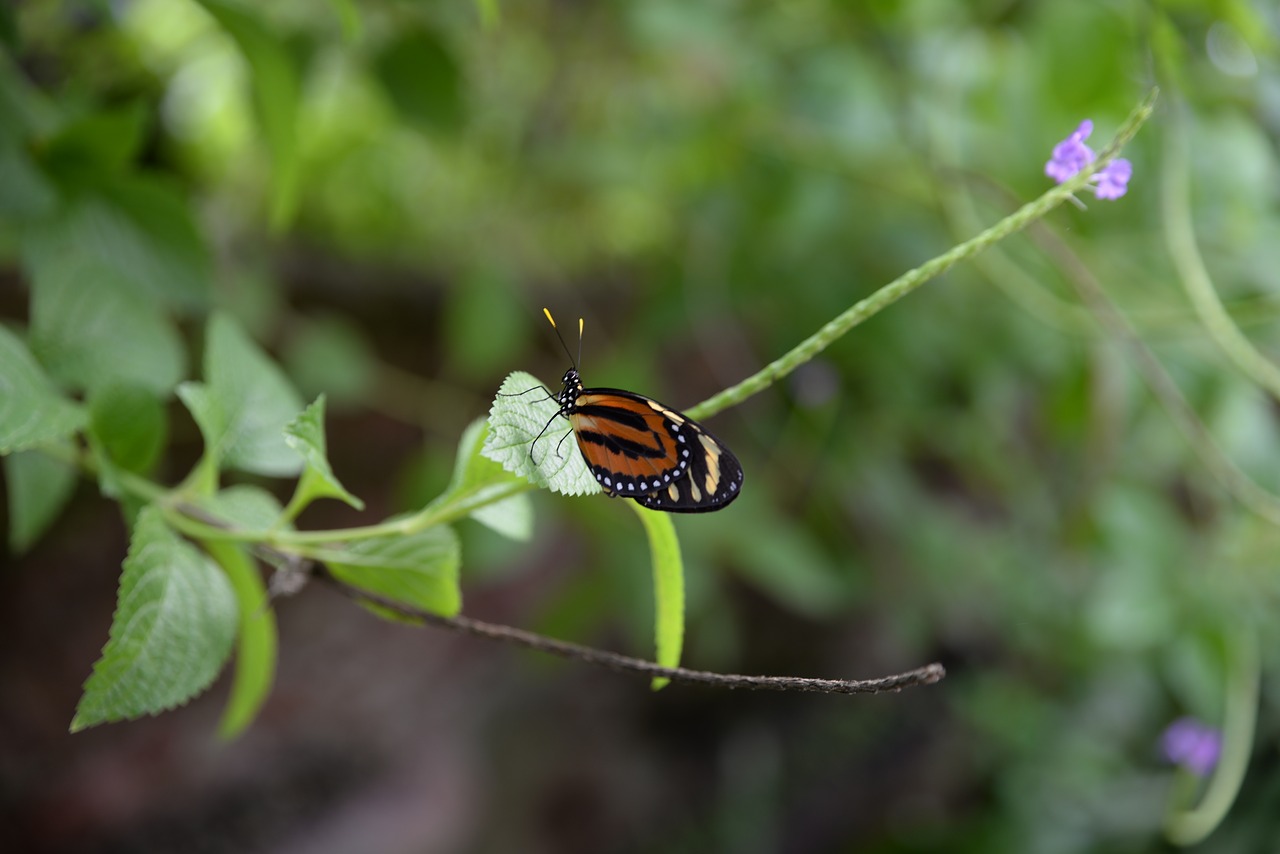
{"points": [[638, 448]]}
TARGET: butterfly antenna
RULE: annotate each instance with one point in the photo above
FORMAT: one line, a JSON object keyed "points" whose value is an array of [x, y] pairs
{"points": [[578, 364], [552, 320]]}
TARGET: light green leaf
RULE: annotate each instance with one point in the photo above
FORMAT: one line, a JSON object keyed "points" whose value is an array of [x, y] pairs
{"points": [[139, 227], [331, 355], [276, 94], [257, 641], [39, 487], [172, 631], [516, 420], [31, 410], [243, 405], [668, 587], [244, 507], [475, 477], [418, 569], [305, 434], [490, 13], [90, 327]]}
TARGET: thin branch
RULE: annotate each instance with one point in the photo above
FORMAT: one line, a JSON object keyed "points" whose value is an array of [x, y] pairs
{"points": [[926, 675]]}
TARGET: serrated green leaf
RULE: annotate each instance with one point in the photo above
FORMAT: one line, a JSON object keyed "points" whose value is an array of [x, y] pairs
{"points": [[139, 227], [244, 507], [422, 79], [129, 425], [174, 624], [256, 643], [31, 410], [90, 327], [305, 434], [475, 477], [276, 95], [516, 420], [418, 569], [39, 488], [668, 587], [243, 405]]}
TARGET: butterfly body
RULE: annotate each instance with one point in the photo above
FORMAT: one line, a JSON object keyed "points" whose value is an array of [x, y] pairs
{"points": [[638, 448]]}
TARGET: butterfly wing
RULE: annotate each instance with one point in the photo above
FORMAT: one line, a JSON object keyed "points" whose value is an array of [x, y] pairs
{"points": [[639, 448], [714, 478]]}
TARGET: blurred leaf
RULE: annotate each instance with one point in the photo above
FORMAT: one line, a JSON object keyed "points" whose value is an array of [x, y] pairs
{"points": [[668, 587], [92, 329], [330, 355], [256, 642], [305, 434], [516, 420], [418, 569], [8, 27], [31, 410], [140, 228], [97, 143], [787, 565], [422, 79], [475, 476], [277, 93], [129, 423], [39, 488], [244, 404], [349, 15], [172, 631], [490, 13], [245, 507], [27, 195]]}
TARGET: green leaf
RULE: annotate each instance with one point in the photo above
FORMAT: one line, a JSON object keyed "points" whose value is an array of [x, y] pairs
{"points": [[276, 94], [490, 13], [90, 327], [257, 640], [305, 434], [139, 227], [39, 487], [129, 425], [331, 355], [31, 410], [243, 405], [418, 569], [172, 631], [475, 477], [244, 507], [423, 80], [668, 587], [516, 420]]}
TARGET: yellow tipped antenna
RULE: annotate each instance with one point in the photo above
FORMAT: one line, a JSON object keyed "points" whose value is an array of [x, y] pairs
{"points": [[547, 312]]}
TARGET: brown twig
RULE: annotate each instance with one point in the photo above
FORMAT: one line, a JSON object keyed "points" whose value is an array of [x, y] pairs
{"points": [[926, 675]]}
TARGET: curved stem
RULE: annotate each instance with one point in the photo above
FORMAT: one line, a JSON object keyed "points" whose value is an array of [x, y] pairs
{"points": [[1180, 237], [1244, 675]]}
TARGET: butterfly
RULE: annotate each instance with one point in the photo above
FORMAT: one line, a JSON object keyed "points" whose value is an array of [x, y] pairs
{"points": [[639, 448]]}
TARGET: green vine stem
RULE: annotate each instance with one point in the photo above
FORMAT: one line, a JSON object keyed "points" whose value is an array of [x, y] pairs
{"points": [[912, 279], [1180, 237], [1244, 675]]}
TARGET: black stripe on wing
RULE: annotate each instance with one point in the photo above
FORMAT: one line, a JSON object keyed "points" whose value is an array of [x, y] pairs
{"points": [[713, 480]]}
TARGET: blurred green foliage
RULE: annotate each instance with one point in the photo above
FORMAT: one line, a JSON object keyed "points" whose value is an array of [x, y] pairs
{"points": [[976, 475]]}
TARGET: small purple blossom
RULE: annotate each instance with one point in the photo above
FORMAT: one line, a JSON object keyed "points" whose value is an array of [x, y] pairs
{"points": [[1071, 155], [1192, 744]]}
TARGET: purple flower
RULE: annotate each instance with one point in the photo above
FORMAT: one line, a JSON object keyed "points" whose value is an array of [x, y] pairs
{"points": [[1194, 745], [1071, 155]]}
